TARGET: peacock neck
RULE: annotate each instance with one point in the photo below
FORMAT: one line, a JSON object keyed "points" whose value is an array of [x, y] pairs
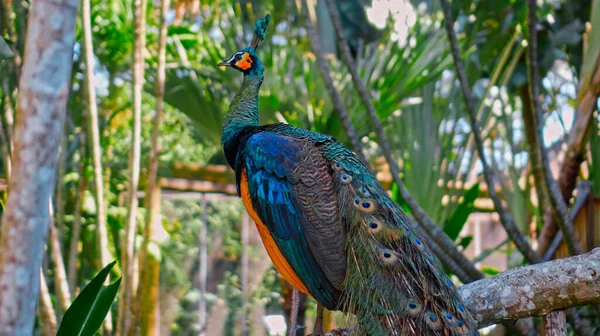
{"points": [[243, 110]]}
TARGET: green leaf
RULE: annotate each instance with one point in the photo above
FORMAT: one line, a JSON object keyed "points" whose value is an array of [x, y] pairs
{"points": [[465, 241], [5, 52], [87, 312], [457, 220], [488, 270]]}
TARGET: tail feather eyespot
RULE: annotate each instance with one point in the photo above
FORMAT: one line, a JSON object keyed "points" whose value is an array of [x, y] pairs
{"points": [[414, 308], [432, 320], [387, 256], [375, 226], [337, 167], [345, 178], [365, 204]]}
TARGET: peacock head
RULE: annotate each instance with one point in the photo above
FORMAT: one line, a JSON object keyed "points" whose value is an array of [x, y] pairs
{"points": [[246, 59]]}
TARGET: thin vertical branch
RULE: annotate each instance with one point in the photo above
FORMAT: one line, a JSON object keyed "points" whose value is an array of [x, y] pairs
{"points": [[60, 184], [128, 250], [536, 164], [433, 229], [565, 222], [76, 227], [505, 217], [60, 275], [93, 131], [203, 265], [244, 261], [47, 316]]}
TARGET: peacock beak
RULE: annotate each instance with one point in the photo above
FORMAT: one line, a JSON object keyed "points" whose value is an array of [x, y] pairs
{"points": [[225, 63]]}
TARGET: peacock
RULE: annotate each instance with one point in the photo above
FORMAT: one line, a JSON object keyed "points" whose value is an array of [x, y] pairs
{"points": [[329, 226]]}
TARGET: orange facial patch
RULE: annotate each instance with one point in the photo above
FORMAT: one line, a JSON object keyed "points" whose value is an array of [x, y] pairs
{"points": [[245, 63]]}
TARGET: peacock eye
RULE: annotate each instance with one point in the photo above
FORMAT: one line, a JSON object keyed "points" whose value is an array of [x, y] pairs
{"points": [[238, 57]]}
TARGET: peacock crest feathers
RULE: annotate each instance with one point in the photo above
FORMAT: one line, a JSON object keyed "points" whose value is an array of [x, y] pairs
{"points": [[391, 271]]}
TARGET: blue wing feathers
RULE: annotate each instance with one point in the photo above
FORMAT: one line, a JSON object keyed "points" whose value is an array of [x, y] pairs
{"points": [[270, 159]]}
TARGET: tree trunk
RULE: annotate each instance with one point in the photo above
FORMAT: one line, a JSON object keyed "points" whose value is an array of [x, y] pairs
{"points": [[46, 311], [43, 93], [60, 275], [127, 258]]}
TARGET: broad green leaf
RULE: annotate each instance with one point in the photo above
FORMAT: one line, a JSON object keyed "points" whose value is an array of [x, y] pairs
{"points": [[87, 312], [457, 220]]}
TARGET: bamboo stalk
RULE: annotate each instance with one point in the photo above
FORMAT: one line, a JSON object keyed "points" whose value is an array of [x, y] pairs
{"points": [[147, 302], [125, 325]]}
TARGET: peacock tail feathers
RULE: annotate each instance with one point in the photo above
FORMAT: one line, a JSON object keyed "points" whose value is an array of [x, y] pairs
{"points": [[393, 283]]}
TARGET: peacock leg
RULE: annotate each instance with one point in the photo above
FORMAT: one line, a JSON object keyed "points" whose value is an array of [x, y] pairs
{"points": [[319, 322]]}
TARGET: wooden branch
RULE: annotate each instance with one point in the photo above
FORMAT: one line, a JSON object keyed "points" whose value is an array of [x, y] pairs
{"points": [[505, 217], [43, 93], [198, 186], [565, 221], [535, 290], [432, 228], [532, 290]]}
